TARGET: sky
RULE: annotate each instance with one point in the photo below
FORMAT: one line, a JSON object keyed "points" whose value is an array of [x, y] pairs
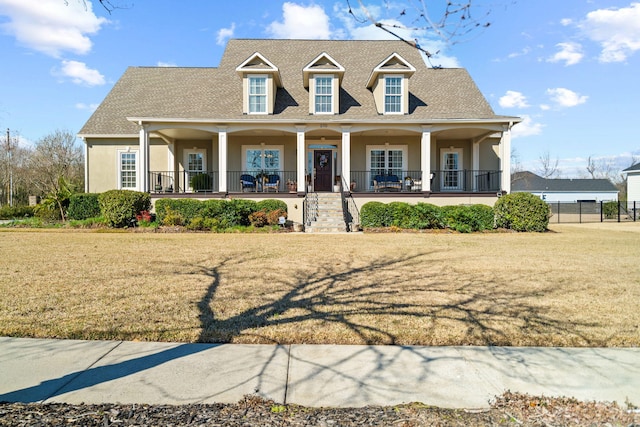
{"points": [[568, 68]]}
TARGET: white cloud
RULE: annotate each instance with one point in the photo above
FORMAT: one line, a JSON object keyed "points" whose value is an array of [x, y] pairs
{"points": [[166, 64], [526, 128], [566, 22], [513, 99], [80, 74], [50, 26], [300, 22], [89, 107], [617, 31], [563, 97], [569, 52], [545, 107], [225, 34]]}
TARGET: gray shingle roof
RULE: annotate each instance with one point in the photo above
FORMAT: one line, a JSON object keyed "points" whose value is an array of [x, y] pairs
{"points": [[632, 168], [216, 93], [528, 181]]}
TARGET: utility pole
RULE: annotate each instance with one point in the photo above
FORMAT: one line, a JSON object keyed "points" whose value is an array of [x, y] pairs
{"points": [[10, 168]]}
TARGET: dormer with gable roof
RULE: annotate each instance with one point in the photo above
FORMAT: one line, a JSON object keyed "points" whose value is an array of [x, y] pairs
{"points": [[389, 82], [260, 81], [323, 77]]}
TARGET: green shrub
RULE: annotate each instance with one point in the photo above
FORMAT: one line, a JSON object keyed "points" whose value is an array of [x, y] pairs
{"points": [[213, 208], [466, 219], [610, 210], [521, 212], [237, 211], [186, 208], [120, 207], [201, 181], [273, 217], [401, 213], [16, 212], [426, 216], [269, 205], [172, 218], [48, 210], [83, 206], [375, 214]]}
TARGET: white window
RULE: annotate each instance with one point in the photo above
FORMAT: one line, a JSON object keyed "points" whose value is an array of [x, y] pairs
{"points": [[393, 95], [387, 160], [127, 170], [257, 95], [324, 94], [262, 158]]}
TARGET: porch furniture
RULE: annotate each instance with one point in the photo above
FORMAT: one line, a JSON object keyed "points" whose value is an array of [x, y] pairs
{"points": [[247, 181], [272, 183], [386, 182]]}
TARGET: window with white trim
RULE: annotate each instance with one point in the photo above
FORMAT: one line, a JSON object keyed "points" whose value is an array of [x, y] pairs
{"points": [[323, 94], [257, 94], [393, 95], [127, 170], [262, 159], [387, 160]]}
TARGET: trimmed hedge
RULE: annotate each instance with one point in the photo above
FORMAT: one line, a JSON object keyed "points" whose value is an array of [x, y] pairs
{"points": [[521, 212], [375, 214], [215, 214], [16, 212], [120, 207], [83, 206], [421, 216]]}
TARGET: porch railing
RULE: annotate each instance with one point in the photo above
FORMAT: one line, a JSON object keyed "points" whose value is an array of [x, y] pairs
{"points": [[371, 181], [261, 181]]}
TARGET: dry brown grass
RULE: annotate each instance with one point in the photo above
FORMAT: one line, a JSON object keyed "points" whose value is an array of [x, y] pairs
{"points": [[576, 286]]}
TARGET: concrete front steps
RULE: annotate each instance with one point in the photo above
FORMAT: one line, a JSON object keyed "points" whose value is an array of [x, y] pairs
{"points": [[330, 218]]}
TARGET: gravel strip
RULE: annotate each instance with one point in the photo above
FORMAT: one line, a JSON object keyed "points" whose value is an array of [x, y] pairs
{"points": [[509, 409]]}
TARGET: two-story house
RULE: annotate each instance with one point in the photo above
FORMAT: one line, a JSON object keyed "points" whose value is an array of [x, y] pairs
{"points": [[286, 118]]}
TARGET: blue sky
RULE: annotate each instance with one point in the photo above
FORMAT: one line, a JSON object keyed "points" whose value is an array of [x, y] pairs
{"points": [[568, 68]]}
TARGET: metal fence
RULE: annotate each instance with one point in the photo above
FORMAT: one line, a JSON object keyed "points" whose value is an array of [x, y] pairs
{"points": [[583, 212]]}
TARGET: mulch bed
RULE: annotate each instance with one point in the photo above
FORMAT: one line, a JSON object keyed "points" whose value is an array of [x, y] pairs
{"points": [[510, 409]]}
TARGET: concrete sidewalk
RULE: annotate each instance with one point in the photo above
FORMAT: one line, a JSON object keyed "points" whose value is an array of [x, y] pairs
{"points": [[41, 370]]}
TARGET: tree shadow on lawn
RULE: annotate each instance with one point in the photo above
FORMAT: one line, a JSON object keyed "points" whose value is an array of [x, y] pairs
{"points": [[397, 300]]}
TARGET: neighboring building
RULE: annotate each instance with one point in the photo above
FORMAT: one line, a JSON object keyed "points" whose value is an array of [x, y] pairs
{"points": [[281, 118], [564, 190], [633, 182]]}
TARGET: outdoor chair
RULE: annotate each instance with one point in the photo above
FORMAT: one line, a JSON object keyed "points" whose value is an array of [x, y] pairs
{"points": [[272, 183], [389, 182], [247, 181]]}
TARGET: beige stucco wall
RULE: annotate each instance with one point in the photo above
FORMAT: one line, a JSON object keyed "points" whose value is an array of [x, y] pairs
{"points": [[489, 154]]}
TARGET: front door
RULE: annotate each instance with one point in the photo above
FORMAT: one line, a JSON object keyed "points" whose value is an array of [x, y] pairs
{"points": [[324, 170], [452, 169]]}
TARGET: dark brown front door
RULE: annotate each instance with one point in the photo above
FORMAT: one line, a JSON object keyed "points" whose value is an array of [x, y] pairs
{"points": [[324, 175]]}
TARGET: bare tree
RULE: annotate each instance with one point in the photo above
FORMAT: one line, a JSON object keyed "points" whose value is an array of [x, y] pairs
{"points": [[449, 20], [108, 5], [548, 167], [601, 168], [13, 179], [56, 167]]}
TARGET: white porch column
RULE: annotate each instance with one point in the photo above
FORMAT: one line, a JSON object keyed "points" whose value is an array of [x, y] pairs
{"points": [[222, 159], [346, 156], [425, 158], [300, 160], [86, 166], [171, 164], [144, 158], [475, 160], [505, 158]]}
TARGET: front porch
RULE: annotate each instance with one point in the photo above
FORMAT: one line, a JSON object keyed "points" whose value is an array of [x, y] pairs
{"points": [[371, 181]]}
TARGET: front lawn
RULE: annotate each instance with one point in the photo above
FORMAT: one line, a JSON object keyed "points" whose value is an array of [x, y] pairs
{"points": [[577, 285]]}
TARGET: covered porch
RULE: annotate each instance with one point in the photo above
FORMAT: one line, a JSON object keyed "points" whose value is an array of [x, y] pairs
{"points": [[269, 159]]}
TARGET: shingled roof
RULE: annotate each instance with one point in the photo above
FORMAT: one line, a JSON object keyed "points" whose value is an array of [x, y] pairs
{"points": [[215, 94], [528, 181], [632, 168]]}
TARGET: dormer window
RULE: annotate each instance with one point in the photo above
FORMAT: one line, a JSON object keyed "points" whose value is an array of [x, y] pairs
{"points": [[257, 94], [322, 77], [389, 82], [260, 82], [323, 94]]}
